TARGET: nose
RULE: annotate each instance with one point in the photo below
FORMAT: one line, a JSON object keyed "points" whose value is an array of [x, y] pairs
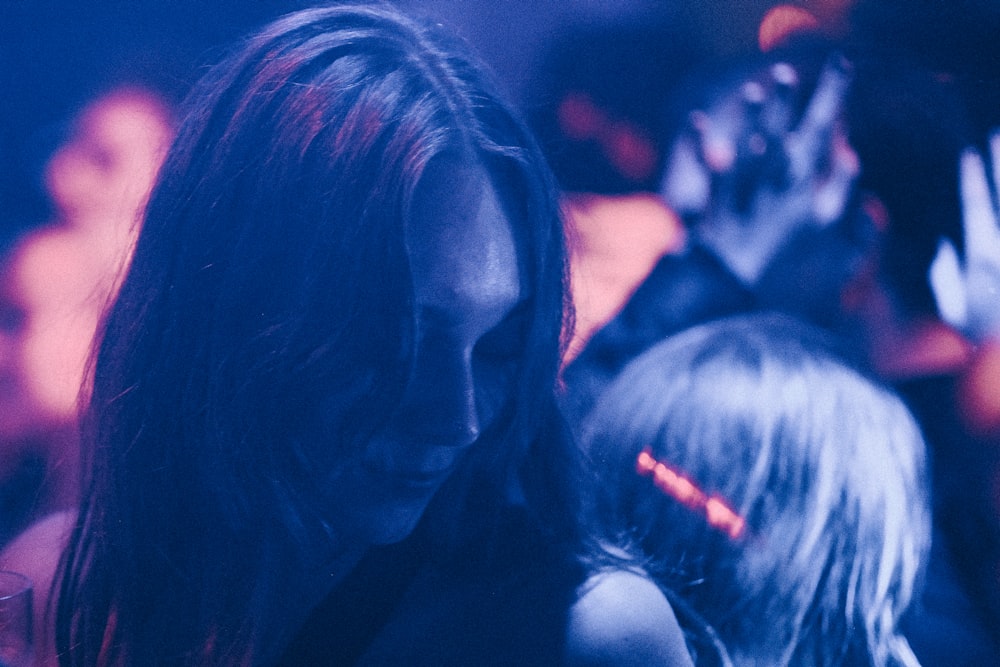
{"points": [[439, 405]]}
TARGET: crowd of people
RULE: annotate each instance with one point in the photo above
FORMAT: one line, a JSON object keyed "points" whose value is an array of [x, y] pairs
{"points": [[347, 359]]}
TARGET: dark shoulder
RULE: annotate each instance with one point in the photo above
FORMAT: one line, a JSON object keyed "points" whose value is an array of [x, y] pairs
{"points": [[620, 619]]}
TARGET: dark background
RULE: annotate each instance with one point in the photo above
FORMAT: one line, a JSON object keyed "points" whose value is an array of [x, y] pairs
{"points": [[56, 53]]}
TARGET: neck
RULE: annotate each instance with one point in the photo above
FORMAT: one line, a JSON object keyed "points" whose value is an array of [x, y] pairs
{"points": [[306, 590]]}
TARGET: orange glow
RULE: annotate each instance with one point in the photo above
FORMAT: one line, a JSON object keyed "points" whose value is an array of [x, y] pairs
{"points": [[718, 513], [625, 145], [782, 22], [680, 488], [645, 463], [579, 118], [979, 390], [720, 516], [614, 242]]}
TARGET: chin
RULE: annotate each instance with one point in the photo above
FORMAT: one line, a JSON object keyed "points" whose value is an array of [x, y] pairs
{"points": [[392, 525]]}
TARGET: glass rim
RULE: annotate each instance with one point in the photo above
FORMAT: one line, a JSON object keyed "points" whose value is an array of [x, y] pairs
{"points": [[9, 589]]}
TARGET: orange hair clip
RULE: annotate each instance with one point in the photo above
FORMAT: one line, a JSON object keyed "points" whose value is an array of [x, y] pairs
{"points": [[679, 487]]}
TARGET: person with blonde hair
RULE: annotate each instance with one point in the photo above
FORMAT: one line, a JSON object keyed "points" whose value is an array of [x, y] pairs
{"points": [[775, 491]]}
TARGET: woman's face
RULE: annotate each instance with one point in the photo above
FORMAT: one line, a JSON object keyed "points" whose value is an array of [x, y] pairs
{"points": [[471, 324]]}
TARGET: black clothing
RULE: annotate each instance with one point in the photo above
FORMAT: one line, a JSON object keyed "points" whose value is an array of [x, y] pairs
{"points": [[486, 606], [956, 620]]}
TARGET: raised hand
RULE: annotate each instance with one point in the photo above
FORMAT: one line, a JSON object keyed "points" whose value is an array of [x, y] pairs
{"points": [[967, 286], [751, 172]]}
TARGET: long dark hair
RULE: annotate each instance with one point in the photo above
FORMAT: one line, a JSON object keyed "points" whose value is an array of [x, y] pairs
{"points": [[270, 282]]}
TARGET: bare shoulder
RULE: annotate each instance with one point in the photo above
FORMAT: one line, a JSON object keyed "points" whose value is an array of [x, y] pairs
{"points": [[36, 552], [622, 618]]}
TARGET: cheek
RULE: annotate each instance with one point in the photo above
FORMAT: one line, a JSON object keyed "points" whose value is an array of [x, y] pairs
{"points": [[496, 390], [341, 426]]}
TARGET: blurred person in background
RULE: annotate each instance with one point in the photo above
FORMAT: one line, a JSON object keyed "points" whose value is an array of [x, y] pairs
{"points": [[760, 172], [597, 104], [38, 449], [55, 283], [920, 315], [98, 181], [777, 492]]}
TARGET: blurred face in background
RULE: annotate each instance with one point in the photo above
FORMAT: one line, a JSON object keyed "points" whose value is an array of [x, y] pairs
{"points": [[106, 167], [60, 277]]}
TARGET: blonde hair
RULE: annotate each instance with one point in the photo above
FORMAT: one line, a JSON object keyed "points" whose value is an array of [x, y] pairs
{"points": [[824, 465]]}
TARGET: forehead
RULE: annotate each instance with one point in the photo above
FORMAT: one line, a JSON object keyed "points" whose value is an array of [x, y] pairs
{"points": [[123, 119], [461, 242]]}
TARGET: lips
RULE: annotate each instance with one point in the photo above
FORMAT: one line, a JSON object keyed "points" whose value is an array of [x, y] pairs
{"points": [[412, 477]]}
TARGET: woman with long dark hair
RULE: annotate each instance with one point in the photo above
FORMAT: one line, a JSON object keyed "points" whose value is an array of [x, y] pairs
{"points": [[323, 405]]}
